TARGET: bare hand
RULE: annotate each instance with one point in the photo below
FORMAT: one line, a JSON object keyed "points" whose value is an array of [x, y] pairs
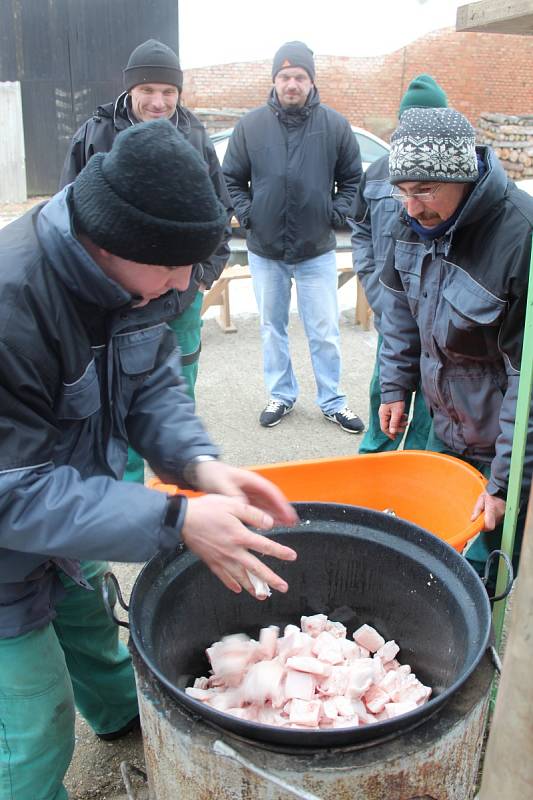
{"points": [[214, 529], [494, 508], [392, 418], [219, 478]]}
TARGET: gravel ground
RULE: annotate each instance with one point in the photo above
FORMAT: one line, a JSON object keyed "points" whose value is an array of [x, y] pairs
{"points": [[10, 211]]}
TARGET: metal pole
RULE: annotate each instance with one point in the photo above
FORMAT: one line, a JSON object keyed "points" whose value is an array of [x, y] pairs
{"points": [[508, 766], [523, 408]]}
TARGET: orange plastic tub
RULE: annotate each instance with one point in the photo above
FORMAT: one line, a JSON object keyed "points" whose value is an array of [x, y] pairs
{"points": [[435, 491]]}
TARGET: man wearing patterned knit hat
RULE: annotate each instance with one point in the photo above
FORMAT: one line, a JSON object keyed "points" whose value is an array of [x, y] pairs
{"points": [[375, 215], [153, 82], [454, 303], [292, 168]]}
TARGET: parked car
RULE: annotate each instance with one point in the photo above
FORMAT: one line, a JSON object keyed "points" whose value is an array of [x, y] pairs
{"points": [[526, 184], [371, 146]]}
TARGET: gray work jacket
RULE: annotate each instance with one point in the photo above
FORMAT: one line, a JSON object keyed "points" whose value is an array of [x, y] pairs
{"points": [[376, 214], [453, 314], [82, 373]]}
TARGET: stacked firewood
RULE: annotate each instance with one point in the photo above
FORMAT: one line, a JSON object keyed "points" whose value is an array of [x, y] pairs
{"points": [[511, 137]]}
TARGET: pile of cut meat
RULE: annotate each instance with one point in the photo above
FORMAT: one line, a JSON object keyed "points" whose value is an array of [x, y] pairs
{"points": [[309, 678]]}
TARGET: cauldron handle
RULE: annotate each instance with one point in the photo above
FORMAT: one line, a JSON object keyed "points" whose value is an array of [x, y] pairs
{"points": [[223, 749], [110, 577], [510, 574]]}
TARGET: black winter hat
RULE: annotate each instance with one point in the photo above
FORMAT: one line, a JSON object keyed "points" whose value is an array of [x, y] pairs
{"points": [[294, 54], [153, 62], [150, 199]]}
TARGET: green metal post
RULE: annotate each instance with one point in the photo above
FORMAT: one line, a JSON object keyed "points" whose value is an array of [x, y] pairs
{"points": [[517, 458]]}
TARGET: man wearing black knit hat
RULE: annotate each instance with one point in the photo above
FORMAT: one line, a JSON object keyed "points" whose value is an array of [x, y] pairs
{"points": [[453, 307], [292, 168], [153, 82], [88, 363]]}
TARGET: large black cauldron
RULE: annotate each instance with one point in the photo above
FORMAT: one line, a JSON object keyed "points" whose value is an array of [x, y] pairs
{"points": [[356, 566]]}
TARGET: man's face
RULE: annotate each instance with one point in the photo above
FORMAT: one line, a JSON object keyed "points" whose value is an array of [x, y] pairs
{"points": [[440, 203], [292, 86], [154, 101], [143, 280]]}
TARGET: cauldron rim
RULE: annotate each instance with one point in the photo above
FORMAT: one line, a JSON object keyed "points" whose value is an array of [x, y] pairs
{"points": [[366, 735]]}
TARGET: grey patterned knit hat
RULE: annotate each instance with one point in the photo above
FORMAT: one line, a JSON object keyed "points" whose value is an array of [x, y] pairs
{"points": [[433, 144]]}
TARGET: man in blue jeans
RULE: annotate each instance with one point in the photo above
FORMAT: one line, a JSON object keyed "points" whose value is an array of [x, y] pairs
{"points": [[292, 168]]}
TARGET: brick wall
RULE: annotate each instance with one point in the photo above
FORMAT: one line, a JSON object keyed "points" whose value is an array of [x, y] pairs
{"points": [[479, 72]]}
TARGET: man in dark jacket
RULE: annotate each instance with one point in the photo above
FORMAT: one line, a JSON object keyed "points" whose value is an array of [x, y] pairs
{"points": [[153, 81], [88, 363], [454, 307], [292, 168], [375, 215]]}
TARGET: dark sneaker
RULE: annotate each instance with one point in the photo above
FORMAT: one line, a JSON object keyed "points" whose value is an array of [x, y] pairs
{"points": [[273, 413], [133, 725], [348, 421]]}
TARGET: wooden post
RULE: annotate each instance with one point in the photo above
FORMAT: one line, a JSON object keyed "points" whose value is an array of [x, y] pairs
{"points": [[508, 770]]}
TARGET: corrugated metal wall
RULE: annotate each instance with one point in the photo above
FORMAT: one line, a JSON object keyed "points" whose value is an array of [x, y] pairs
{"points": [[68, 56], [12, 161]]}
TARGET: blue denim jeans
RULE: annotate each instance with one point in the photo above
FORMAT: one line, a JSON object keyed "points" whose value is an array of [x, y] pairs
{"points": [[316, 291]]}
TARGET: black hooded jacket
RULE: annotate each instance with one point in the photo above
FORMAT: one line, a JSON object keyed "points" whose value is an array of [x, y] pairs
{"points": [[97, 136], [292, 178]]}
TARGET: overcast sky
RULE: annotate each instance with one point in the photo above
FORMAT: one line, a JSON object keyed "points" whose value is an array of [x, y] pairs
{"points": [[223, 31]]}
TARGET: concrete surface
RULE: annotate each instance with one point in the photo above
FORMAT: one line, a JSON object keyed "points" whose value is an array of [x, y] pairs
{"points": [[230, 396]]}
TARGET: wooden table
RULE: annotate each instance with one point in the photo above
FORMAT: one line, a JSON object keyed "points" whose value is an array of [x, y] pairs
{"points": [[237, 269]]}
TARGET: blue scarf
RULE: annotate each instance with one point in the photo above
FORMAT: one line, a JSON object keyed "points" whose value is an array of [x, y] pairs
{"points": [[443, 227]]}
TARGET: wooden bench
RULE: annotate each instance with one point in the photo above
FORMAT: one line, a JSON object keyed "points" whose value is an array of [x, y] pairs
{"points": [[238, 269]]}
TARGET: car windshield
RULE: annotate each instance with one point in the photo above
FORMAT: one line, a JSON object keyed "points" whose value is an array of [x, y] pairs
{"points": [[370, 150]]}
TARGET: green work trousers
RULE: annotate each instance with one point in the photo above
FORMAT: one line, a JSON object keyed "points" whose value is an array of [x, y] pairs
{"points": [[479, 549], [415, 437], [75, 660], [187, 327]]}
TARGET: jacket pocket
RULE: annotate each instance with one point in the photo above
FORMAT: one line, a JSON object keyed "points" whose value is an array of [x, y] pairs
{"points": [[135, 358], [138, 351], [81, 399], [469, 318], [477, 396], [408, 263]]}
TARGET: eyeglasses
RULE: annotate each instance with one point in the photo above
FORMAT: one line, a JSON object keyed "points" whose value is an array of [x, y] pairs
{"points": [[424, 195]]}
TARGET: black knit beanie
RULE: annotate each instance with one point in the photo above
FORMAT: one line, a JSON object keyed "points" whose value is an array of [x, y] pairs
{"points": [[153, 62], [294, 54], [150, 199]]}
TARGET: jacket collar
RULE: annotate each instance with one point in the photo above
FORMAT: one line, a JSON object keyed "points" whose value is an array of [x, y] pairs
{"points": [[66, 256], [300, 114], [488, 191]]}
